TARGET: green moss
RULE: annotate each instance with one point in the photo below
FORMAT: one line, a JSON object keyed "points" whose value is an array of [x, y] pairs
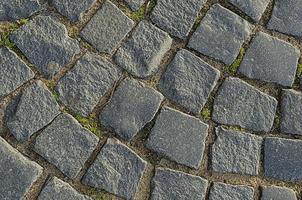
{"points": [[6, 29], [56, 96], [234, 128], [5, 41], [151, 5], [299, 70], [91, 123], [233, 68], [138, 15], [206, 113], [98, 195]]}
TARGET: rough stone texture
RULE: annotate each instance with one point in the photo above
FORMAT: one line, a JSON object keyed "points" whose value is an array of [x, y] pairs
{"points": [[287, 17], [253, 8], [170, 184], [45, 43], [13, 72], [278, 193], [34, 109], [179, 137], [66, 144], [291, 112], [142, 53], [220, 34], [223, 191], [239, 103], [270, 59], [135, 4], [91, 78], [132, 106], [117, 169], [235, 152], [176, 17], [107, 28], [17, 173], [282, 159], [189, 81], [57, 189]]}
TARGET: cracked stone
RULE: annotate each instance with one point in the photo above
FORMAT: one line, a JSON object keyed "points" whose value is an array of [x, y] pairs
{"points": [[238, 103], [135, 4], [278, 193], [189, 81], [220, 34], [142, 53], [231, 192]]}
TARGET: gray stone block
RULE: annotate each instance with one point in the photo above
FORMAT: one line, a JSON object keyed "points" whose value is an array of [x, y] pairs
{"points": [[135, 4], [278, 193], [224, 191]]}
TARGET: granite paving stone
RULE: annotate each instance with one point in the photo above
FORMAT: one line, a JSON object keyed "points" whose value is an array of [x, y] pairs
{"points": [[117, 169], [238, 103], [220, 34], [142, 53], [107, 28], [176, 185], [135, 4], [270, 59], [188, 81], [178, 136], [231, 192], [278, 193]]}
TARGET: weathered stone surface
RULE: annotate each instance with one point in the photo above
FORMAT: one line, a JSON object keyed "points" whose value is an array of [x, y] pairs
{"points": [[220, 34], [278, 193], [253, 8], [135, 4], [34, 109], [179, 137], [176, 17], [17, 173], [142, 53], [189, 81], [239, 103], [60, 190], [90, 79], [235, 152], [270, 59], [107, 28], [282, 159], [66, 144], [286, 17], [223, 191], [13, 72], [132, 106], [170, 184], [46, 44], [117, 169], [291, 112]]}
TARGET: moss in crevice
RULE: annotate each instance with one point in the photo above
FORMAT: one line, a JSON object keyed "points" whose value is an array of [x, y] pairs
{"points": [[233, 68], [206, 113], [151, 4], [99, 195], [138, 15], [299, 70], [91, 123]]}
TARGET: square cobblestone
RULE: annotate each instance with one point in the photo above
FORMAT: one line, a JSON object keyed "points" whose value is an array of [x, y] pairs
{"points": [[278, 193], [224, 191]]}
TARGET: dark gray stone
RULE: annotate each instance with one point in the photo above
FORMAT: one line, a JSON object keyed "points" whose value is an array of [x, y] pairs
{"points": [[220, 34], [91, 78], [189, 81], [46, 44], [179, 137], [13, 72], [135, 4], [278, 193], [235, 152], [223, 191], [66, 144], [239, 103], [17, 173], [142, 53], [176, 185], [117, 169], [176, 17], [35, 109], [107, 28], [270, 59], [132, 106]]}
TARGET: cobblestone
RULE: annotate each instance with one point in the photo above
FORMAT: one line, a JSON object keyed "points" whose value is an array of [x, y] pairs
{"points": [[278, 193], [231, 192]]}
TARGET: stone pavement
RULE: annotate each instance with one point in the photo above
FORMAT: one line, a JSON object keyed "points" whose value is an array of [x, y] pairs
{"points": [[151, 99]]}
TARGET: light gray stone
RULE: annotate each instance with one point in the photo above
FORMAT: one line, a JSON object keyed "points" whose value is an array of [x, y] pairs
{"points": [[238, 103], [189, 81], [278, 193], [83, 87], [35, 109], [176, 17], [142, 53], [13, 72], [107, 28], [220, 34], [236, 152], [46, 44], [117, 169], [176, 185], [179, 137], [223, 191], [17, 173], [66, 144], [135, 4], [270, 59], [132, 106]]}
